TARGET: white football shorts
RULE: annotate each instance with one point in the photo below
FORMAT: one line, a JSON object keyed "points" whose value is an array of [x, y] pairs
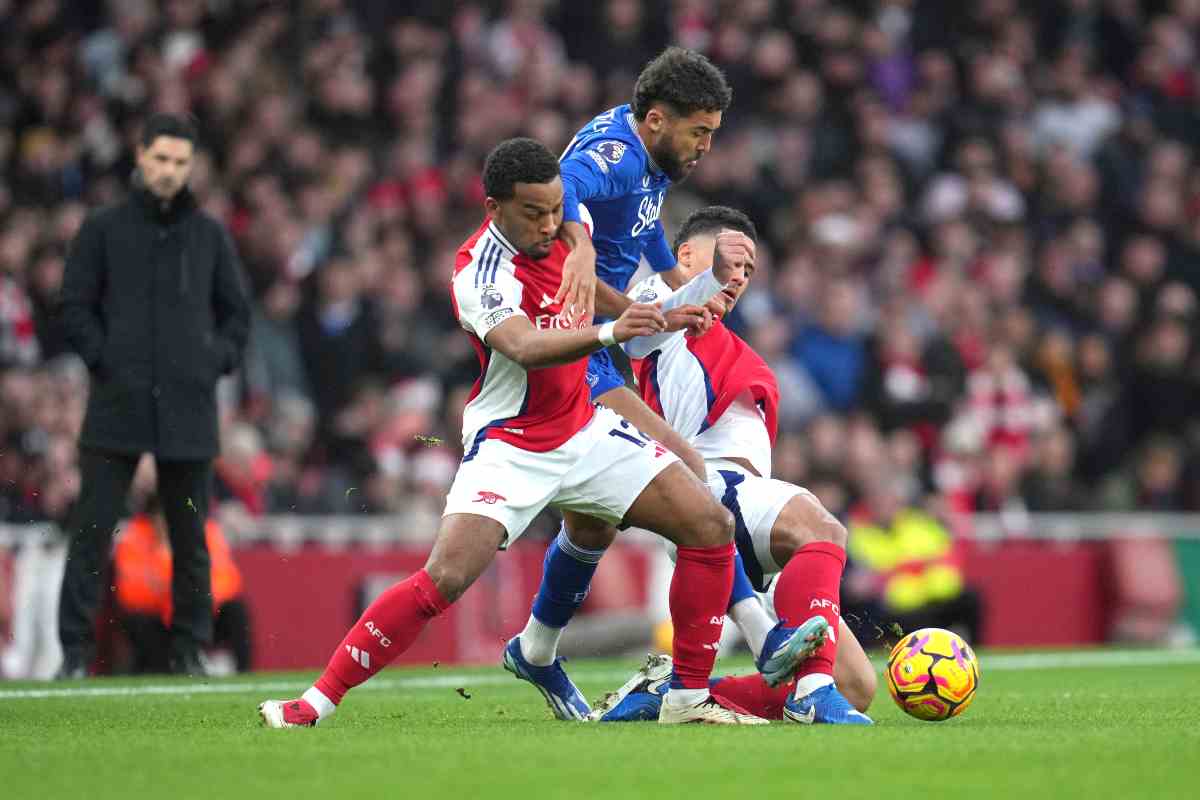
{"points": [[600, 471], [755, 504]]}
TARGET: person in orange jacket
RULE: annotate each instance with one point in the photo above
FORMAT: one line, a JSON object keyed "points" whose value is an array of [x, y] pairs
{"points": [[905, 567], [142, 571]]}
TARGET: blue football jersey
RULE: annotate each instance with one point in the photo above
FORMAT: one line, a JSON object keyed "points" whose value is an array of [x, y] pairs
{"points": [[606, 168]]}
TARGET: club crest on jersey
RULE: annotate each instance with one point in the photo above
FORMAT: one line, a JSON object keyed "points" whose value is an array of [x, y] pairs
{"points": [[491, 498], [490, 298], [647, 295], [612, 151]]}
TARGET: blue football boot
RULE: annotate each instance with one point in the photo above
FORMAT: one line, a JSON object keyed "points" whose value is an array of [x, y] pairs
{"points": [[823, 706], [641, 697], [563, 697], [785, 648]]}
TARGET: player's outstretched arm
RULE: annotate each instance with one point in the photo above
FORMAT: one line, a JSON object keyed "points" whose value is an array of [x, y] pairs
{"points": [[683, 309], [603, 170], [610, 302], [577, 292], [532, 348]]}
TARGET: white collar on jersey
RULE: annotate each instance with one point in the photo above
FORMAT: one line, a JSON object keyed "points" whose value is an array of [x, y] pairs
{"points": [[504, 242], [632, 123]]}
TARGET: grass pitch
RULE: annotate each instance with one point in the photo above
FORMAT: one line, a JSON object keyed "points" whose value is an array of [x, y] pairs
{"points": [[1096, 724]]}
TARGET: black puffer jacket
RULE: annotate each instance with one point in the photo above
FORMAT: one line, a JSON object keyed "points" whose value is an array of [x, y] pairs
{"points": [[154, 302]]}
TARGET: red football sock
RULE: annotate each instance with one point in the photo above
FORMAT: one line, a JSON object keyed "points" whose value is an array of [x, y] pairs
{"points": [[383, 632], [808, 585], [699, 594], [752, 693]]}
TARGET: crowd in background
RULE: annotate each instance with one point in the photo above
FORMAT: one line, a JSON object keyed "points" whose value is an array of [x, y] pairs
{"points": [[980, 228]]}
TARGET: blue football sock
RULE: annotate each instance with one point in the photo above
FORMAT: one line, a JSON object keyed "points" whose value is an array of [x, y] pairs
{"points": [[566, 576], [741, 584]]}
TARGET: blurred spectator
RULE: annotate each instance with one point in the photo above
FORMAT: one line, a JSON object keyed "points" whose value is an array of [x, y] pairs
{"points": [[339, 339], [1001, 403], [142, 577], [243, 469], [274, 362], [29, 609], [1164, 369], [833, 350], [1153, 480], [1051, 484], [905, 567], [908, 385]]}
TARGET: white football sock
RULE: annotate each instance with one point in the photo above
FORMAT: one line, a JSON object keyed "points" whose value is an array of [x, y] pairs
{"points": [[539, 642], [753, 621], [685, 697], [810, 683], [320, 702]]}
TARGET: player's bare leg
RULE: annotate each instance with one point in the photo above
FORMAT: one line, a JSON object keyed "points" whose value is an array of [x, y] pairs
{"points": [[852, 670], [465, 546]]}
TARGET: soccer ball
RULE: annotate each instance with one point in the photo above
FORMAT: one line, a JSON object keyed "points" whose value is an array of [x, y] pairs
{"points": [[932, 674]]}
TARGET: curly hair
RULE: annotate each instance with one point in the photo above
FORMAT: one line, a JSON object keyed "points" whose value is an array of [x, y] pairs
{"points": [[712, 219], [682, 79], [516, 161]]}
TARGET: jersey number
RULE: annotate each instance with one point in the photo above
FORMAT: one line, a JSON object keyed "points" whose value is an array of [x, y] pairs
{"points": [[624, 432]]}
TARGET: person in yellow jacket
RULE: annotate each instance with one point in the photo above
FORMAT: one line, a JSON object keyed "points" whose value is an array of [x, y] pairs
{"points": [[906, 568], [142, 572]]}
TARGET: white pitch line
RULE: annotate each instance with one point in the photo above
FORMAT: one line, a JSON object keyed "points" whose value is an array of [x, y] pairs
{"points": [[1089, 658], [451, 680], [991, 663]]}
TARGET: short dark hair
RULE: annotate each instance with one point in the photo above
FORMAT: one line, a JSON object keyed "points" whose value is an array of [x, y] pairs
{"points": [[682, 79], [711, 220], [172, 125], [516, 161]]}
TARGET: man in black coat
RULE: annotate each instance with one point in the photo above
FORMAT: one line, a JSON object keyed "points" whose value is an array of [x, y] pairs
{"points": [[154, 302]]}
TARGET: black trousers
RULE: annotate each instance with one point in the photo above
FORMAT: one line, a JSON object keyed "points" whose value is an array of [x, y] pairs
{"points": [[231, 629], [184, 488], [149, 644], [149, 639]]}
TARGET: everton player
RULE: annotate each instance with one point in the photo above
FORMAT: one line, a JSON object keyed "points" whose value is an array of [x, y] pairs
{"points": [[532, 438], [715, 390], [618, 168]]}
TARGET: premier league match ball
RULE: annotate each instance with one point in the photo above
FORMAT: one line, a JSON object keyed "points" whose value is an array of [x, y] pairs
{"points": [[932, 674]]}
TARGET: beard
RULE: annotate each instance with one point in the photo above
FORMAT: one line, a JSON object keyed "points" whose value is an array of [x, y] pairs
{"points": [[670, 164], [538, 251], [164, 188]]}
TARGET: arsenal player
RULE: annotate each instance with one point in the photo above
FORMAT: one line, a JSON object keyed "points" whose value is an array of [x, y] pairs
{"points": [[532, 438]]}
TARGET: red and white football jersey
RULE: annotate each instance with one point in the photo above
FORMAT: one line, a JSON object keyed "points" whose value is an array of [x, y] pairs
{"points": [[713, 389], [534, 410]]}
